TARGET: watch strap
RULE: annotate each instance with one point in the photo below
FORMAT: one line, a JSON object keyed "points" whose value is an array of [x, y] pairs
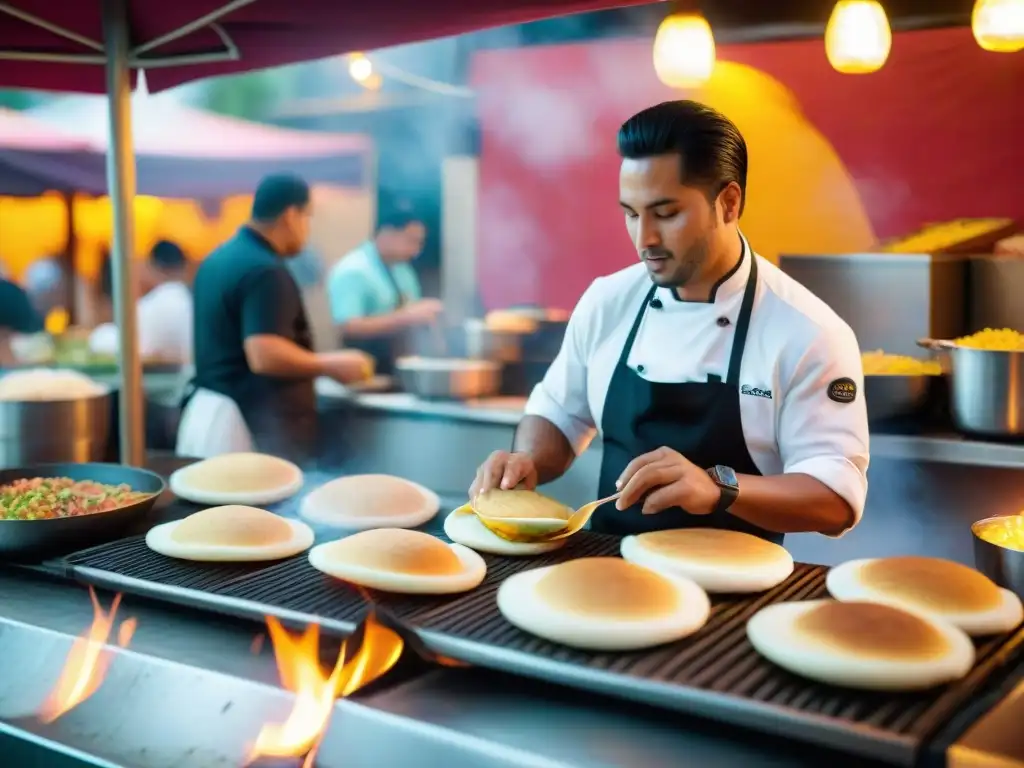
{"points": [[728, 491]]}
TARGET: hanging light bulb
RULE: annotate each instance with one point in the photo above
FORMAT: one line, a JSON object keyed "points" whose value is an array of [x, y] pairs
{"points": [[684, 50], [359, 67], [998, 25], [857, 38]]}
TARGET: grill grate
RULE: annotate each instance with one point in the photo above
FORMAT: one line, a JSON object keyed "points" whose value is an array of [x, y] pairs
{"points": [[132, 559], [296, 586], [692, 675], [716, 673]]}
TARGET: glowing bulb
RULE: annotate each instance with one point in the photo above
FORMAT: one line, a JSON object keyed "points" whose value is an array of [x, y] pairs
{"points": [[684, 51], [359, 67], [998, 25], [857, 38]]}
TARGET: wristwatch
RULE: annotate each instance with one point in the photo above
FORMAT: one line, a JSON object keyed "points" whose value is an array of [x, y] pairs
{"points": [[725, 479]]}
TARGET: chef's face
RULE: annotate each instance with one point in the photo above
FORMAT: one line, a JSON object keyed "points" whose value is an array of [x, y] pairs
{"points": [[673, 226], [403, 244]]}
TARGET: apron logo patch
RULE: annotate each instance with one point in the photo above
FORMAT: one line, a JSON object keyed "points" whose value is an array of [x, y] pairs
{"points": [[842, 390], [746, 389]]}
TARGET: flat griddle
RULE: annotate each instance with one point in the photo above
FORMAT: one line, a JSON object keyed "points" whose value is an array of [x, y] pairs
{"points": [[715, 674]]}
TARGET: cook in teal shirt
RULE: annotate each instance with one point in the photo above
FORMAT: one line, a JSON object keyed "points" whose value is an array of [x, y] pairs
{"points": [[359, 285], [374, 292]]}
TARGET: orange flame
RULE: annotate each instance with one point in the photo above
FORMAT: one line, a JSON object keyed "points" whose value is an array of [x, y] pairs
{"points": [[87, 661], [298, 665]]}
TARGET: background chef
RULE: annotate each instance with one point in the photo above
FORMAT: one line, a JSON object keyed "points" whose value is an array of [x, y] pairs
{"points": [[254, 358], [375, 294], [726, 394]]}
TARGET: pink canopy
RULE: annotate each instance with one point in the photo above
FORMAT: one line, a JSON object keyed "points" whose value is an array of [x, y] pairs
{"points": [[164, 127], [190, 39], [23, 133]]}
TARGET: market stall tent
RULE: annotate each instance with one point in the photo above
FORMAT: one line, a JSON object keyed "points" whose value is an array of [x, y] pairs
{"points": [[36, 156], [185, 152], [95, 46]]}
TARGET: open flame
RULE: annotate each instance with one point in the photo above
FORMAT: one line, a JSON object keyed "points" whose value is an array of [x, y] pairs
{"points": [[87, 661], [298, 665]]}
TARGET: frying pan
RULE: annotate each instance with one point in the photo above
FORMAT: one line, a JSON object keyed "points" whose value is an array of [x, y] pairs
{"points": [[35, 540]]}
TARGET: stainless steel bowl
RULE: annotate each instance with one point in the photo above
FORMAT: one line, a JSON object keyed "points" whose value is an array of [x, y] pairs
{"points": [[1003, 565], [887, 396], [44, 431], [484, 343], [449, 378]]}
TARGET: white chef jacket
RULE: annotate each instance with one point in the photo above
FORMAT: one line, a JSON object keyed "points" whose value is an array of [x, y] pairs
{"points": [[164, 317], [796, 348]]}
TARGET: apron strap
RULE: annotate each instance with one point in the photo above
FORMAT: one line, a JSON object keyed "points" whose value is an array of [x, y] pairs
{"points": [[739, 339], [628, 346]]}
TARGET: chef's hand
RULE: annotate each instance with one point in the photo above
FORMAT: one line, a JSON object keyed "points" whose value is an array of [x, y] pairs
{"points": [[504, 470], [423, 311], [666, 479], [347, 365]]}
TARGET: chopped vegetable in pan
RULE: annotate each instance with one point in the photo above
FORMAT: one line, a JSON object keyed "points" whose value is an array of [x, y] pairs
{"points": [[46, 498]]}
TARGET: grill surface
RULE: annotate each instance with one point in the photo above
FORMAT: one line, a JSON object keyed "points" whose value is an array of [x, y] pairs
{"points": [[716, 673], [131, 558]]}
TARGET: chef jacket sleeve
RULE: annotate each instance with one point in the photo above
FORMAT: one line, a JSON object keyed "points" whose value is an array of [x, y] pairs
{"points": [[350, 296], [270, 303], [561, 397], [823, 422]]}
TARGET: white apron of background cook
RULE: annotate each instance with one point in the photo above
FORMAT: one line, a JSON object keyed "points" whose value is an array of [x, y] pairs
{"points": [[212, 425]]}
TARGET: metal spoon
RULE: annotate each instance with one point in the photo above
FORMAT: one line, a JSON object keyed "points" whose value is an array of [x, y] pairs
{"points": [[575, 523]]}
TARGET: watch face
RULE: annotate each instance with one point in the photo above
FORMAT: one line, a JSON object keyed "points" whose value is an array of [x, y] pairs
{"points": [[725, 476]]}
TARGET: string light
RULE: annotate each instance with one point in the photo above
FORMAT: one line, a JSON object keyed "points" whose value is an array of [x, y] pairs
{"points": [[684, 50], [359, 67], [857, 38], [998, 25]]}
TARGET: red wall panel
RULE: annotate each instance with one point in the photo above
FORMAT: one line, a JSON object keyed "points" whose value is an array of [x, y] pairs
{"points": [[937, 134]]}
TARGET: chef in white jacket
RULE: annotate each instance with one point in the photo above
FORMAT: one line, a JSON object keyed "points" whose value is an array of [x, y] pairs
{"points": [[163, 314], [725, 393]]}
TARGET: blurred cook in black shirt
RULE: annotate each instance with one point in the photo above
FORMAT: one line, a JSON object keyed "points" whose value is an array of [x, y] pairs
{"points": [[254, 364], [17, 315]]}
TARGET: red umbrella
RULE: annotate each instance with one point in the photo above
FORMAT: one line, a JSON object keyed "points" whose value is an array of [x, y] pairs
{"points": [[190, 39], [94, 46]]}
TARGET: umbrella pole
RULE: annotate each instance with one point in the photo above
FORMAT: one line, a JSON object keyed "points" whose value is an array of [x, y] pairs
{"points": [[121, 188]]}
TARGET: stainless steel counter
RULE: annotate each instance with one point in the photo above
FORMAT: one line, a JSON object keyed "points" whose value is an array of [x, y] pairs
{"points": [[507, 411]]}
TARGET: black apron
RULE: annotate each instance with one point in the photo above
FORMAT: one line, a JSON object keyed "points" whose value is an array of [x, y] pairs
{"points": [[387, 348], [700, 420]]}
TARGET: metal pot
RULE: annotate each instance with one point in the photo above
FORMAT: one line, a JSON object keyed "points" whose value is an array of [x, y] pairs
{"points": [[890, 396], [1003, 565], [44, 431], [449, 378], [986, 389], [485, 343]]}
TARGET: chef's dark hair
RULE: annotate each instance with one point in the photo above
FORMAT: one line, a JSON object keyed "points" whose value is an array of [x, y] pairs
{"points": [[167, 255], [276, 194], [398, 218], [711, 146]]}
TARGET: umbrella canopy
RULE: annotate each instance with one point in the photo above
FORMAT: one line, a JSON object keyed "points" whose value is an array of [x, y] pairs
{"points": [[19, 131], [61, 45], [36, 157], [185, 152]]}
